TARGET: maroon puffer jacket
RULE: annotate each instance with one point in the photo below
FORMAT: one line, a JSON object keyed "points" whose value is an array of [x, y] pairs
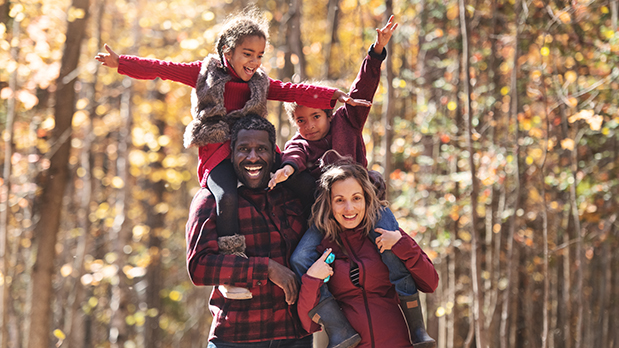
{"points": [[373, 308]]}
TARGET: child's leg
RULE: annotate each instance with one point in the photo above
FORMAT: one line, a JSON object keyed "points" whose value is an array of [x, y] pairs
{"points": [[303, 185], [222, 183], [305, 254], [327, 312], [398, 273]]}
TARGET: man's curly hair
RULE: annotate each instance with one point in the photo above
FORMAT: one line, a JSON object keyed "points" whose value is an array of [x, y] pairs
{"points": [[252, 122]]}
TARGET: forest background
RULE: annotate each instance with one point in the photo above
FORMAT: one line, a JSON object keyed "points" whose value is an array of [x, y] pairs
{"points": [[496, 126]]}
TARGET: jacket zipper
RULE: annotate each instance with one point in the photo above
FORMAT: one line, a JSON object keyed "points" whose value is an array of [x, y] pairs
{"points": [[365, 298]]}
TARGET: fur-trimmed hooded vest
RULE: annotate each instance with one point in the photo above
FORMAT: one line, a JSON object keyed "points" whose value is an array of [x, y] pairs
{"points": [[211, 122]]}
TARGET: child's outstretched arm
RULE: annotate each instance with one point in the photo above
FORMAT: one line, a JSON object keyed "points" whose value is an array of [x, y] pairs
{"points": [[384, 35], [281, 175], [150, 69], [109, 59], [343, 97]]}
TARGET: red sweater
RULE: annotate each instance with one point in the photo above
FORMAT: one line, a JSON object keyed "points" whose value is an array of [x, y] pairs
{"points": [[346, 132], [235, 96]]}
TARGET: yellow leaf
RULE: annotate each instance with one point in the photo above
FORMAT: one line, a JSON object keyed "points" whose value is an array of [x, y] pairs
{"points": [[59, 334], [452, 12], [567, 144], [175, 296], [545, 51], [595, 122], [565, 17], [581, 115], [570, 76], [572, 102]]}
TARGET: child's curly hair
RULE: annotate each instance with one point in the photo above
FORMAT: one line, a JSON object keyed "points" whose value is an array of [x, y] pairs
{"points": [[237, 27]]}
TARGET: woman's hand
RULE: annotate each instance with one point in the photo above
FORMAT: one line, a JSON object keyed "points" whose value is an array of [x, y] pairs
{"points": [[320, 269], [109, 59], [387, 239]]}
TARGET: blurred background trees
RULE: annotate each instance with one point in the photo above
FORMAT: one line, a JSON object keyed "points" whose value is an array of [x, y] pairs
{"points": [[496, 125]]}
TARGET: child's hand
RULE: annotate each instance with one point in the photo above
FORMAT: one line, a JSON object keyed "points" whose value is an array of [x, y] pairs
{"points": [[109, 59], [320, 269], [384, 35], [281, 175], [387, 239], [345, 98]]}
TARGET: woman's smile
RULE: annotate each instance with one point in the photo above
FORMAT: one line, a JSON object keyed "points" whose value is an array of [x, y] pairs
{"points": [[348, 203]]}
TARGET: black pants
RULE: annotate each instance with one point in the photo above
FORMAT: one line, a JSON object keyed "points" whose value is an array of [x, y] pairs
{"points": [[222, 182]]}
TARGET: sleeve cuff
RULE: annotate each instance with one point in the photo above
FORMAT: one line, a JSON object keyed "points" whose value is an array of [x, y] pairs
{"points": [[375, 55], [260, 272]]}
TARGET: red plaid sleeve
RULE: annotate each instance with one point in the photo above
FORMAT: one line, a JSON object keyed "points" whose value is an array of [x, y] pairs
{"points": [[272, 223], [205, 265]]}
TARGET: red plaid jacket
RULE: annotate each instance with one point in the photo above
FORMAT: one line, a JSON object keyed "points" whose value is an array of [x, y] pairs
{"points": [[273, 223]]}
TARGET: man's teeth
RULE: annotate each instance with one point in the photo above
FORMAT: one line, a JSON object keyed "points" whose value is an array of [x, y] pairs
{"points": [[253, 170]]}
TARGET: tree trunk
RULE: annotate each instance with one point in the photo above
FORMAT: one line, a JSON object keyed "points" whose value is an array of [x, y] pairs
{"points": [[332, 20], [7, 135], [475, 268], [513, 114], [388, 109], [580, 262], [53, 190], [155, 215], [121, 231]]}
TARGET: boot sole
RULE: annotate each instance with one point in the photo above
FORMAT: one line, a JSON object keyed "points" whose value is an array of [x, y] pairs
{"points": [[430, 344], [350, 342]]}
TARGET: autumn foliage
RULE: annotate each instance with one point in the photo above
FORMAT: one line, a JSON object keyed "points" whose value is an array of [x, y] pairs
{"points": [[543, 95]]}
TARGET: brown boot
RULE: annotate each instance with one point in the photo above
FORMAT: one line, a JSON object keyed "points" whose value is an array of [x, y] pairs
{"points": [[414, 318], [233, 245], [328, 314]]}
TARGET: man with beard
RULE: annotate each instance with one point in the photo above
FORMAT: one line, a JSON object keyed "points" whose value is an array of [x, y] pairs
{"points": [[272, 223]]}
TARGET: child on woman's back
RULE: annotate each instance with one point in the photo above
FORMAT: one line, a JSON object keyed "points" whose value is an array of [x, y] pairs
{"points": [[321, 131], [227, 86]]}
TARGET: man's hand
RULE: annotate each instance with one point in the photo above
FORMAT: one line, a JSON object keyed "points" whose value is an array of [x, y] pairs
{"points": [[285, 279], [384, 35], [345, 98], [109, 59], [281, 175], [387, 239]]}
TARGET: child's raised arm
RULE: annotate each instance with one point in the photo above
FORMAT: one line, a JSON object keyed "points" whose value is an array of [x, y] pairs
{"points": [[109, 59], [384, 35]]}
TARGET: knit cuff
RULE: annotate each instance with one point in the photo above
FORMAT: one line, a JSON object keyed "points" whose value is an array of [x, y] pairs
{"points": [[375, 55]]}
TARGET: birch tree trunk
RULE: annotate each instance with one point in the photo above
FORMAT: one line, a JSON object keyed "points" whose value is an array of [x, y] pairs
{"points": [[388, 109], [513, 114], [53, 190], [7, 136], [121, 231], [475, 268]]}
